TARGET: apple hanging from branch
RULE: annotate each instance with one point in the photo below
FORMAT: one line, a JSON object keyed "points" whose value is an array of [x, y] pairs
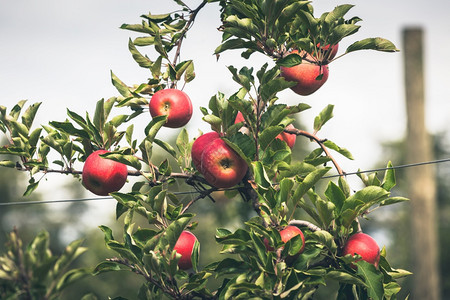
{"points": [[221, 166], [363, 245], [175, 104], [185, 246], [309, 75], [102, 176]]}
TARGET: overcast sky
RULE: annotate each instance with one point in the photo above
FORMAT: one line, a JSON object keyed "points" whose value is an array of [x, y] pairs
{"points": [[62, 52]]}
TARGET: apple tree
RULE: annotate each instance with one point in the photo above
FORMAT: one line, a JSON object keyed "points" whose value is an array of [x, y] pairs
{"points": [[247, 154]]}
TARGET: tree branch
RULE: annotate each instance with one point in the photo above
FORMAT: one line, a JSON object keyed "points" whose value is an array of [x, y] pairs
{"points": [[320, 142]]}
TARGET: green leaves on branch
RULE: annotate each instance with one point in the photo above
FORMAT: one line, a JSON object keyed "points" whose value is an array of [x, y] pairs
{"points": [[35, 271], [276, 27]]}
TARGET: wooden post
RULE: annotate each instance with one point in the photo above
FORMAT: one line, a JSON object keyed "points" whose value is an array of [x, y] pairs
{"points": [[421, 180]]}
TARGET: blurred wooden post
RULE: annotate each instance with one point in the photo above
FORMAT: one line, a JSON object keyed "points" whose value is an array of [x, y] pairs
{"points": [[421, 180]]}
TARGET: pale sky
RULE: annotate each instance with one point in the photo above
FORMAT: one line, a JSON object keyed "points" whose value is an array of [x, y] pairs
{"points": [[61, 53]]}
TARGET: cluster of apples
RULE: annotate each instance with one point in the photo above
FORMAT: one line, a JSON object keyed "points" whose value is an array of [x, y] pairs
{"points": [[221, 166], [104, 176], [309, 74]]}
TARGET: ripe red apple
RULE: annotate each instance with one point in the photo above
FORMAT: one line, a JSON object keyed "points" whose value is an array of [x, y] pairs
{"points": [[305, 74], [199, 145], [102, 176], [221, 166], [284, 136], [175, 104], [289, 138], [184, 246], [364, 245], [286, 234]]}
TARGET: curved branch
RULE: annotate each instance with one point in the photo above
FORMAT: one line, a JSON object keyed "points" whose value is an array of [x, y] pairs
{"points": [[320, 142], [303, 223]]}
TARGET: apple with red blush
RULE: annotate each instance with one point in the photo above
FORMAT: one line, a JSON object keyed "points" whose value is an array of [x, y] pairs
{"points": [[221, 166], [102, 176], [175, 104], [184, 246], [363, 245], [309, 75], [287, 234], [199, 146]]}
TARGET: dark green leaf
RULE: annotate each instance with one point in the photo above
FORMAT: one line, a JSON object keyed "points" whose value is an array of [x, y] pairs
{"points": [[378, 44]]}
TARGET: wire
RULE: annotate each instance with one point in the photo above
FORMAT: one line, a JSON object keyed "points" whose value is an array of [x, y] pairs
{"points": [[438, 161], [54, 201]]}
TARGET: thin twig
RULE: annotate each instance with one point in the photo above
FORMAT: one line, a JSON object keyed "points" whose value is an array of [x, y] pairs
{"points": [[320, 142]]}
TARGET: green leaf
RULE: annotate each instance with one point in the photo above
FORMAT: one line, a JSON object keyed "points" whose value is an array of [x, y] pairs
{"points": [[290, 60], [337, 13], [389, 178], [121, 87], [170, 236], [143, 61], [342, 151], [268, 135], [324, 116], [31, 188], [7, 164], [344, 277], [70, 277], [325, 238], [309, 181], [335, 195], [68, 128], [182, 67], [378, 44], [129, 160], [166, 146], [326, 211], [30, 113], [107, 266], [373, 279], [393, 200]]}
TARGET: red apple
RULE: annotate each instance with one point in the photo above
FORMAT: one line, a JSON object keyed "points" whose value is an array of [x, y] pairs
{"points": [[364, 245], [221, 166], [184, 246], [284, 136], [306, 74], [102, 176], [286, 234], [289, 138], [199, 145], [175, 104], [239, 118]]}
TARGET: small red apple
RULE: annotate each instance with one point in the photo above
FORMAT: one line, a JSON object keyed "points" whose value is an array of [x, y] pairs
{"points": [[102, 176], [199, 145], [286, 234], [306, 74], [184, 246], [364, 245], [175, 104], [221, 166], [289, 138], [284, 136]]}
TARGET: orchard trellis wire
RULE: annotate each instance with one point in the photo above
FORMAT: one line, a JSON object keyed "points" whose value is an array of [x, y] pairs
{"points": [[411, 165]]}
